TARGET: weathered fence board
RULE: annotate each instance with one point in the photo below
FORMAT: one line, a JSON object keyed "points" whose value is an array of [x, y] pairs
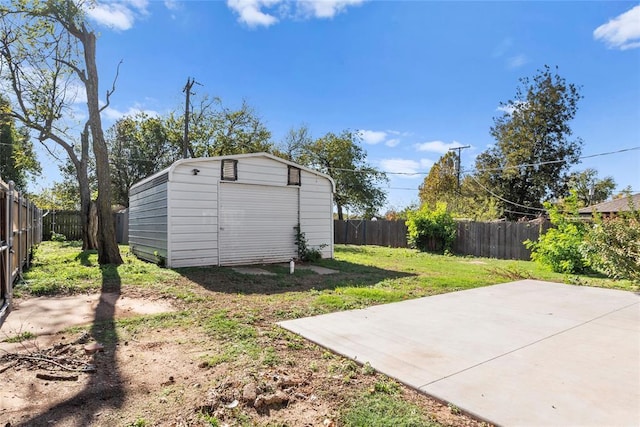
{"points": [[503, 240], [361, 232], [20, 230], [69, 224], [66, 223]]}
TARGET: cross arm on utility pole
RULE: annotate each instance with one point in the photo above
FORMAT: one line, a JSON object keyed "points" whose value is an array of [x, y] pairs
{"points": [[459, 149], [185, 143]]}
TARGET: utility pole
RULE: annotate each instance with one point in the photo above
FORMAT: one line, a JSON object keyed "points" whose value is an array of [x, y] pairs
{"points": [[185, 141], [459, 149]]}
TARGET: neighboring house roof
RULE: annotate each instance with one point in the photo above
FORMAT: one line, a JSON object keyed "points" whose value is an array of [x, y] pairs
{"points": [[613, 206]]}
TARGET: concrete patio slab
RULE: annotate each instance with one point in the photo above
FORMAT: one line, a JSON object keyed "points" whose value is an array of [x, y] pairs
{"points": [[525, 353]]}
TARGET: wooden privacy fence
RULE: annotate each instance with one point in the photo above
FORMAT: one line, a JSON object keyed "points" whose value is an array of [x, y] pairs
{"points": [[69, 224], [20, 230], [501, 240], [362, 232]]}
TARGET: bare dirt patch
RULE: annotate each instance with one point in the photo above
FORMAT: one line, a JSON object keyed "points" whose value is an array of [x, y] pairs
{"points": [[43, 316], [164, 376]]}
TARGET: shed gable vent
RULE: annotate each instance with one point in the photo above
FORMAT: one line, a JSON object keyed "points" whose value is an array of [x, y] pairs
{"points": [[229, 170], [294, 176]]}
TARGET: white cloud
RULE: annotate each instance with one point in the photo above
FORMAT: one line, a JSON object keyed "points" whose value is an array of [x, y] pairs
{"points": [[120, 16], [325, 8], [171, 4], [510, 108], [398, 133], [502, 48], [437, 146], [621, 32], [505, 52], [372, 136], [76, 93], [378, 136], [392, 142], [255, 13], [406, 167], [250, 11], [517, 61], [113, 114]]}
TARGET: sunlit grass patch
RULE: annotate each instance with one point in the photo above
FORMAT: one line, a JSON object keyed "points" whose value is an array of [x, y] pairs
{"points": [[383, 406]]}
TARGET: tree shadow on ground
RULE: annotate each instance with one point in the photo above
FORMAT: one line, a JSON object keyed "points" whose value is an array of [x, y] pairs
{"points": [[105, 387], [83, 258], [226, 280]]}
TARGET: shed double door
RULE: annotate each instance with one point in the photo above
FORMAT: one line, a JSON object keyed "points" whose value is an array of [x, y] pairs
{"points": [[256, 223]]}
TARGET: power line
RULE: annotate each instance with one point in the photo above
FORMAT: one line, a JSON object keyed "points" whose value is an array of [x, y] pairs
{"points": [[550, 162], [385, 172], [608, 153], [427, 173], [503, 199]]}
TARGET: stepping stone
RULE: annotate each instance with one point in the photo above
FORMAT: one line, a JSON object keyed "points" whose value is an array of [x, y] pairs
{"points": [[253, 271], [317, 269]]}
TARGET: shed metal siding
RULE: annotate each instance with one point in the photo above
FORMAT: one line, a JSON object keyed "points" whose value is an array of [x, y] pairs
{"points": [[193, 214], [148, 219], [316, 212], [181, 219]]}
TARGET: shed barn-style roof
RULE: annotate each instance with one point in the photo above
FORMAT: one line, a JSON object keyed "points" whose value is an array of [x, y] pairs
{"points": [[612, 206], [171, 168]]}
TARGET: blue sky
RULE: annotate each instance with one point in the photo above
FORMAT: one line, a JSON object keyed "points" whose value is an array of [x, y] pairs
{"points": [[416, 77]]}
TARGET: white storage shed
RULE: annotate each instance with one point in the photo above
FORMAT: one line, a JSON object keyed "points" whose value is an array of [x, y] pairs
{"points": [[230, 210]]}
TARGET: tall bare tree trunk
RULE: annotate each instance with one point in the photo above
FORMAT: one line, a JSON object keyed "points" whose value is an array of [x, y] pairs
{"points": [[85, 190], [108, 251], [85, 205]]}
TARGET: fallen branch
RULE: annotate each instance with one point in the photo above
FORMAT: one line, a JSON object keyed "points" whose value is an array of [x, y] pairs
{"points": [[46, 360], [57, 377], [9, 366]]}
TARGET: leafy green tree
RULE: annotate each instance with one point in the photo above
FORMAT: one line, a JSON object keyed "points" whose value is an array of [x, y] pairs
{"points": [[139, 147], [469, 201], [295, 142], [441, 184], [589, 189], [395, 214], [217, 130], [431, 230], [343, 159], [612, 246], [559, 247], [475, 203], [65, 194], [48, 48], [533, 151], [60, 196], [17, 157]]}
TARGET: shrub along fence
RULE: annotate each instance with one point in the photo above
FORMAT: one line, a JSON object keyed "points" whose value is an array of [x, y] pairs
{"points": [[20, 230], [501, 240]]}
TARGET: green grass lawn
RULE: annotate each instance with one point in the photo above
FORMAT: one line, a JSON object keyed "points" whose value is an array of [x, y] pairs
{"points": [[238, 313], [371, 274]]}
